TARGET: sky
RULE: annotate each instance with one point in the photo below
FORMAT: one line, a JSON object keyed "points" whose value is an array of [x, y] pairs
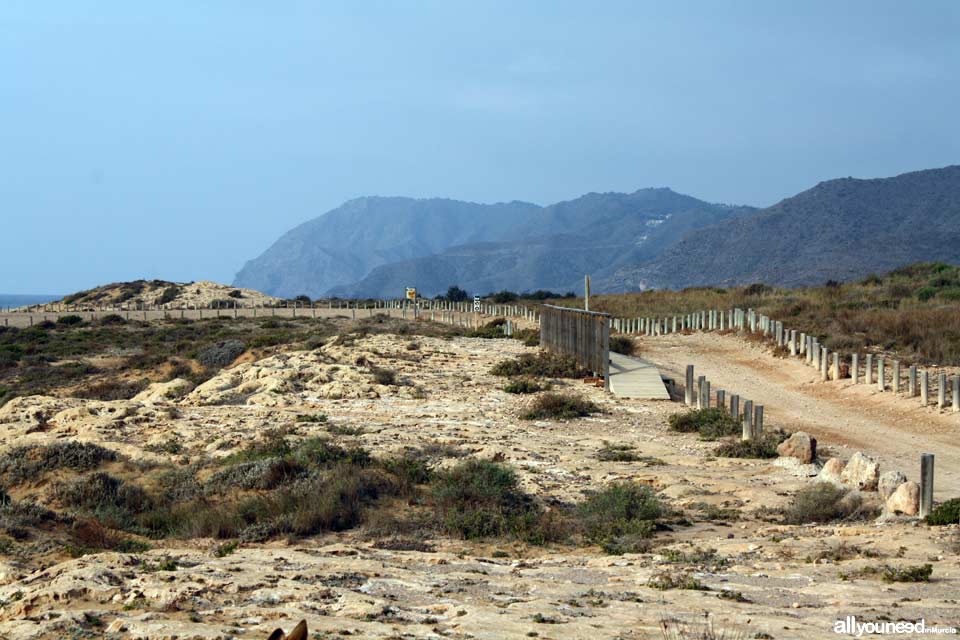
{"points": [[179, 139]]}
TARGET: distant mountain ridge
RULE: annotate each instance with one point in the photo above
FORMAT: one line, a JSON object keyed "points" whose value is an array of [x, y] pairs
{"points": [[374, 247], [651, 238], [838, 230]]}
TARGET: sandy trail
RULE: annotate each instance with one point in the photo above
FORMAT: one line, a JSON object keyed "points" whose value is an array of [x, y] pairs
{"points": [[843, 416]]}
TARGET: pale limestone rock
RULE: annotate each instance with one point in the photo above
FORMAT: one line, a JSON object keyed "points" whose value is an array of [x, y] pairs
{"points": [[799, 445], [831, 471], [158, 392], [862, 472], [905, 499], [889, 483]]}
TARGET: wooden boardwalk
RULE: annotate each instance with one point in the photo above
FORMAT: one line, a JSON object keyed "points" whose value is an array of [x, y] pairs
{"points": [[635, 378]]}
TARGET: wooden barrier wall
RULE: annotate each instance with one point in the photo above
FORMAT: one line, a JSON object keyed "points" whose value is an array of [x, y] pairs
{"points": [[585, 335]]}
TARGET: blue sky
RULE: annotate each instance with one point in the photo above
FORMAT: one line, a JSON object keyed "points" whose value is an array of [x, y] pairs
{"points": [[178, 139]]}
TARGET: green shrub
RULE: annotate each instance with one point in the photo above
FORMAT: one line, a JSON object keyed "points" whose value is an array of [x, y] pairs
{"points": [[952, 295], [221, 354], [524, 385], [314, 417], [559, 406], [710, 423], [479, 499], [926, 293], [490, 330], [665, 580], [386, 377], [620, 517], [169, 294], [823, 502], [69, 321], [543, 364], [529, 337], [617, 453], [112, 389], [946, 513], [762, 448], [29, 462], [264, 474], [623, 345], [112, 501], [916, 573]]}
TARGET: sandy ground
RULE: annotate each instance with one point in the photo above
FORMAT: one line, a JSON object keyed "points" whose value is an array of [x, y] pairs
{"points": [[344, 586], [842, 415]]}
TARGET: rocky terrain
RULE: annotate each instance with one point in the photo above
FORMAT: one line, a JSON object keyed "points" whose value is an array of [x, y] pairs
{"points": [[725, 560], [172, 294]]}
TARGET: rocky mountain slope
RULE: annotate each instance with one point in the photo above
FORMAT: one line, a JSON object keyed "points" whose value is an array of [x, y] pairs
{"points": [[345, 244], [377, 246], [840, 230]]}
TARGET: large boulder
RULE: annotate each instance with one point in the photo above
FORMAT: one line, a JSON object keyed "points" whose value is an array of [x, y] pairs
{"points": [[862, 472], [831, 471], [889, 483], [905, 499], [801, 446]]}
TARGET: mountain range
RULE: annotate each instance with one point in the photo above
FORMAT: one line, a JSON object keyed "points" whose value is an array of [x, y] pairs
{"points": [[651, 238], [375, 247]]}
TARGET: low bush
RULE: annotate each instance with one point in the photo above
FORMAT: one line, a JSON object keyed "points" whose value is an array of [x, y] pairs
{"points": [[711, 423], [617, 453], [761, 448], [491, 330], [111, 500], [480, 499], [386, 377], [623, 345], [29, 462], [823, 502], [221, 354], [525, 385], [69, 320], [946, 513], [169, 294], [264, 474], [620, 517], [543, 364], [313, 417], [666, 580], [559, 406], [916, 573], [529, 337], [112, 389]]}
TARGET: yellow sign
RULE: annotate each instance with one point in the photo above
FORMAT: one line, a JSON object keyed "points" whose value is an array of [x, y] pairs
{"points": [[411, 293]]}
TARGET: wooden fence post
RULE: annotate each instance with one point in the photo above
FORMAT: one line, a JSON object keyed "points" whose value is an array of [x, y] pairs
{"points": [[747, 420], [926, 484]]}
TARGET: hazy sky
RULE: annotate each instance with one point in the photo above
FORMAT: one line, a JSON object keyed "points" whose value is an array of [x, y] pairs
{"points": [[178, 139]]}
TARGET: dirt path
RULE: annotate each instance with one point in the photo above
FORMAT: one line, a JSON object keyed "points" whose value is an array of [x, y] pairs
{"points": [[843, 416]]}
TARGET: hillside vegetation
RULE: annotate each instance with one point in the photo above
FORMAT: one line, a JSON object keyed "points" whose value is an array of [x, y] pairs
{"points": [[913, 311]]}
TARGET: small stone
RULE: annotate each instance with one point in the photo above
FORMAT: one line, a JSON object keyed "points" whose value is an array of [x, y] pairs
{"points": [[862, 472], [905, 499], [801, 446], [889, 483]]}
